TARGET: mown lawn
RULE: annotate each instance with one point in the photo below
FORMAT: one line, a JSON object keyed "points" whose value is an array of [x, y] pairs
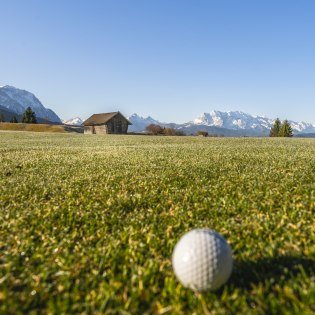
{"points": [[88, 223]]}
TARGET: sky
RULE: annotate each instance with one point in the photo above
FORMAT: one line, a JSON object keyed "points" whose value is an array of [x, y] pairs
{"points": [[170, 59]]}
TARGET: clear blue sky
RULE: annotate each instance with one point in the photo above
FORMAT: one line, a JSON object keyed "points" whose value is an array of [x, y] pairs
{"points": [[172, 59]]}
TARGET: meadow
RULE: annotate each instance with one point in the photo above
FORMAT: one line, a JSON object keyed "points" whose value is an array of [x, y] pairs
{"points": [[88, 223], [5, 126]]}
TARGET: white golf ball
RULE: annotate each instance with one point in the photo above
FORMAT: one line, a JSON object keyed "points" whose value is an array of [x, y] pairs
{"points": [[202, 260]]}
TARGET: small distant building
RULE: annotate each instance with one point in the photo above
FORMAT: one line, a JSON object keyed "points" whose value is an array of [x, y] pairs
{"points": [[107, 123]]}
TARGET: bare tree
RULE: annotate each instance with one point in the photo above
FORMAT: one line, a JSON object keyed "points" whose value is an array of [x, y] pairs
{"points": [[154, 129]]}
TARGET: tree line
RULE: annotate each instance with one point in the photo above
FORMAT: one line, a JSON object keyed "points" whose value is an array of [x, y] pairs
{"points": [[29, 117], [156, 130]]}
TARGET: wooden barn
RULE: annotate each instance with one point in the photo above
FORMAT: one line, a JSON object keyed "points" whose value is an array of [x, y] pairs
{"points": [[107, 123]]}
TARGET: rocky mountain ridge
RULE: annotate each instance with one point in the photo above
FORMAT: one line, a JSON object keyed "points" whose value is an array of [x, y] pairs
{"points": [[16, 101]]}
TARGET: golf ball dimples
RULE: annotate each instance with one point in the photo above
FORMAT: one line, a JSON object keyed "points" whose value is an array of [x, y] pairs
{"points": [[202, 260]]}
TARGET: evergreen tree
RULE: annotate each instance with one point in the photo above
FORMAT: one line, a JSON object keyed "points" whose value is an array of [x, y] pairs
{"points": [[286, 130], [29, 117], [14, 120], [275, 130], [2, 119]]}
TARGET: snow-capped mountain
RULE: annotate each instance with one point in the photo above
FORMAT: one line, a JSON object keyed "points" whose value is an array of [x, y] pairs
{"points": [[227, 123], [234, 120], [241, 121], [303, 127], [139, 123], [17, 100], [77, 121]]}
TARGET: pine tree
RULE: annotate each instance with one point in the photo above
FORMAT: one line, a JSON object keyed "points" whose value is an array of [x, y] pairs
{"points": [[13, 120], [29, 117], [275, 130], [2, 119], [286, 130]]}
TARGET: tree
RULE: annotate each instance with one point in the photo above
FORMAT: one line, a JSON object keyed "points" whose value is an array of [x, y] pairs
{"points": [[2, 119], [29, 117], [169, 132], [275, 130], [286, 130], [14, 120], [155, 129]]}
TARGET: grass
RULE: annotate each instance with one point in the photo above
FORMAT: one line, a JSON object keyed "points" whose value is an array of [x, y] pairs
{"points": [[88, 223]]}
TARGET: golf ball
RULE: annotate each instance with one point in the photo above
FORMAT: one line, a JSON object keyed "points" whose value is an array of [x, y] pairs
{"points": [[202, 260]]}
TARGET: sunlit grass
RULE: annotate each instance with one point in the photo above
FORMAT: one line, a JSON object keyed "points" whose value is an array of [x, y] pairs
{"points": [[33, 127], [88, 223]]}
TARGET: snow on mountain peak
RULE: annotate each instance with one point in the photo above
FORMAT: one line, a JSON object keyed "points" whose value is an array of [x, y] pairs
{"points": [[77, 121], [232, 120], [238, 120]]}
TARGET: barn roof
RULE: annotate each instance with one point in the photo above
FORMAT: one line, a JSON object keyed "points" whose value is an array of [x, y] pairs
{"points": [[99, 119]]}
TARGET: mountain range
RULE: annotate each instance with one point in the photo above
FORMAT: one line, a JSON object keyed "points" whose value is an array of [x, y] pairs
{"points": [[232, 123], [14, 101]]}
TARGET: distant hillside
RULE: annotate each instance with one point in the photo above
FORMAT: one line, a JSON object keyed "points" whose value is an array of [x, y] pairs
{"points": [[39, 128], [16, 101]]}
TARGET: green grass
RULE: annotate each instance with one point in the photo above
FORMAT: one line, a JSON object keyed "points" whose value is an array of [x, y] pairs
{"points": [[88, 223]]}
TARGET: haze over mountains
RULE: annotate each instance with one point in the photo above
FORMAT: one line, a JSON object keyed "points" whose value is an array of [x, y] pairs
{"points": [[14, 101]]}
